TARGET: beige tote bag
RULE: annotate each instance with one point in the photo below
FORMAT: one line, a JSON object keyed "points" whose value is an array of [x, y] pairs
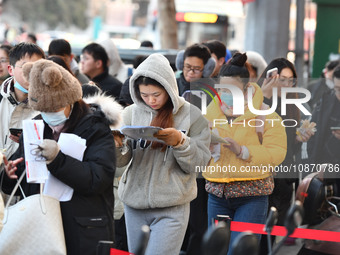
{"points": [[1, 211], [33, 226]]}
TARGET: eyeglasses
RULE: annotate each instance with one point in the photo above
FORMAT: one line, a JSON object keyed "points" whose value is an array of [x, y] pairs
{"points": [[289, 81], [195, 69], [18, 66], [4, 60], [37, 152]]}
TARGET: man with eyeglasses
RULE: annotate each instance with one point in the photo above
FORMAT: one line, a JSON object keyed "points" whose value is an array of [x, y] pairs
{"points": [[194, 64], [14, 105], [324, 146], [4, 61]]}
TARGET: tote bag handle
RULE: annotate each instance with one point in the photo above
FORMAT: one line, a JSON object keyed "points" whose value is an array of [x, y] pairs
{"points": [[42, 201], [15, 189]]}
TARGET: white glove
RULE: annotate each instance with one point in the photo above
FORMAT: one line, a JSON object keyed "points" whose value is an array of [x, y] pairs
{"points": [[49, 150]]}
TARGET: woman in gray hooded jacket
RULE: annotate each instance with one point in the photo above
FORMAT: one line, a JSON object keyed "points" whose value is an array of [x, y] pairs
{"points": [[160, 181]]}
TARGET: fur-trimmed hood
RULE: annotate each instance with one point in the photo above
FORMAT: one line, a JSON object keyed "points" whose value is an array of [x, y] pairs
{"points": [[109, 106]]}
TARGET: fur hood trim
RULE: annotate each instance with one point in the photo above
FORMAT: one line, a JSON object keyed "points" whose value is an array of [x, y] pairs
{"points": [[109, 106]]}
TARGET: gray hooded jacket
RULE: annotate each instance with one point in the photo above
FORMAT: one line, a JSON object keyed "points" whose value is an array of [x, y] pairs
{"points": [[157, 179]]}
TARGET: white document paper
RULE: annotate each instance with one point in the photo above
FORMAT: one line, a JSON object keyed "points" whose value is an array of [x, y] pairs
{"points": [[36, 170], [71, 145]]}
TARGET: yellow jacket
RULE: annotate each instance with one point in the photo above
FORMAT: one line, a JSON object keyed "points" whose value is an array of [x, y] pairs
{"points": [[263, 157]]}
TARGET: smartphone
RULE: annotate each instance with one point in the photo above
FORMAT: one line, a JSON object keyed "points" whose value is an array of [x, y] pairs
{"points": [[219, 217], [335, 128], [103, 247], [15, 131], [272, 72]]}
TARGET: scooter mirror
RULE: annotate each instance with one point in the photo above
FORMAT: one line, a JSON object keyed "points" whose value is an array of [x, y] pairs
{"points": [[216, 239], [294, 217], [271, 220], [143, 240], [246, 243]]}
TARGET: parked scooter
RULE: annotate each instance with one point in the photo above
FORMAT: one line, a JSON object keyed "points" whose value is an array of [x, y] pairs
{"points": [[104, 247], [293, 219], [216, 239], [319, 196], [247, 243], [143, 240], [270, 223]]}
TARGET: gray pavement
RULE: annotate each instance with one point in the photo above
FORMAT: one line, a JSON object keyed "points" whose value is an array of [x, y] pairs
{"points": [[291, 249]]}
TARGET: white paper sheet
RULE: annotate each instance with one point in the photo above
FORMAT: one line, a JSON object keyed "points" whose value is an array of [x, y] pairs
{"points": [[71, 145], [36, 170]]}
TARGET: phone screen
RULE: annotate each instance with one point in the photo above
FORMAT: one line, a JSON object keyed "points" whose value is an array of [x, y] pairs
{"points": [[15, 131], [272, 72]]}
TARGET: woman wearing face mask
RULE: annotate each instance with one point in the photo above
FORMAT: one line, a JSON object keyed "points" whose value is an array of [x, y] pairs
{"points": [[283, 191], [239, 178], [88, 216]]}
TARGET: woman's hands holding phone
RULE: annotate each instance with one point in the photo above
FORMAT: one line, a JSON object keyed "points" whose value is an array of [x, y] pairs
{"points": [[269, 83]]}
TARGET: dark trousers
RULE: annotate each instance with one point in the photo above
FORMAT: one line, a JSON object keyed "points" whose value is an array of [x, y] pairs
{"points": [[281, 200], [198, 221], [120, 234]]}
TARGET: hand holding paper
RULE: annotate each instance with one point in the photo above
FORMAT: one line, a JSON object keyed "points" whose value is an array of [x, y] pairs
{"points": [[49, 150], [118, 137], [170, 136], [73, 146]]}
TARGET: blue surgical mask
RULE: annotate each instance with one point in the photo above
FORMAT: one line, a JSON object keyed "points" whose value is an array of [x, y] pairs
{"points": [[227, 98], [21, 88], [54, 118]]}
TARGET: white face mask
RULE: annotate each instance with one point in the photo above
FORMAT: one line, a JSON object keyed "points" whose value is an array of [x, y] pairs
{"points": [[54, 118], [227, 98]]}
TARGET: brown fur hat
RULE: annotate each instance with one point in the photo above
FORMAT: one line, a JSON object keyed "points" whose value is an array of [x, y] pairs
{"points": [[51, 87]]}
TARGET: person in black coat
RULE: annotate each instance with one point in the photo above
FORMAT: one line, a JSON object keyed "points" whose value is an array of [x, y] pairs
{"points": [[323, 85], [94, 63], [324, 147], [283, 181], [194, 63], [88, 216]]}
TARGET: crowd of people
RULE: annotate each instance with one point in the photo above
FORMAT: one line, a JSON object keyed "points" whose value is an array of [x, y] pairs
{"points": [[171, 182]]}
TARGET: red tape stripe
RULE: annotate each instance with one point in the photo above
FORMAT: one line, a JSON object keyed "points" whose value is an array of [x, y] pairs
{"points": [[119, 252], [322, 235], [314, 234]]}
